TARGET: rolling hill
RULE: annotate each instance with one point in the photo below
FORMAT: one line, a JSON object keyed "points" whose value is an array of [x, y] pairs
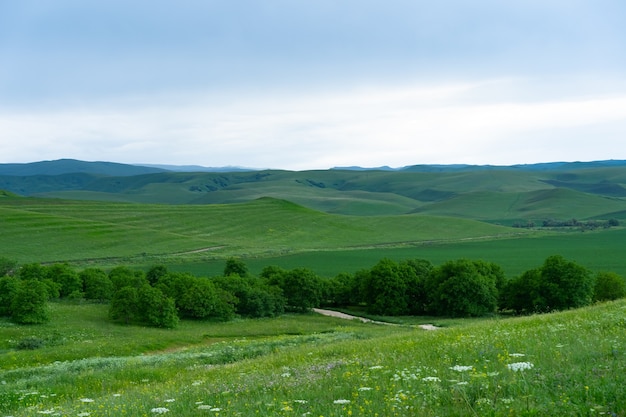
{"points": [[487, 193]]}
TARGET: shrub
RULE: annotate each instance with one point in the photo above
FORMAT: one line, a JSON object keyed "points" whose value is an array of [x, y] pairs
{"points": [[609, 286], [30, 343], [8, 287], [462, 288], [29, 303], [67, 279]]}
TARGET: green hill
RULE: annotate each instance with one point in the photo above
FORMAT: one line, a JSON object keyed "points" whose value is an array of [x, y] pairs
{"points": [[49, 230]]}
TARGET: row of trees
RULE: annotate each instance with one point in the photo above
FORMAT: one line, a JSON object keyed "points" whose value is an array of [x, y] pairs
{"points": [[161, 298]]}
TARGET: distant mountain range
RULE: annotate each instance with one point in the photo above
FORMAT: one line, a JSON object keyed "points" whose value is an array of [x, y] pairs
{"points": [[73, 166], [499, 194]]}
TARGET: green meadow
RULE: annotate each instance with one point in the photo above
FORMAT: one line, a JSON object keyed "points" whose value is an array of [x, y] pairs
{"points": [[571, 363], [568, 364]]}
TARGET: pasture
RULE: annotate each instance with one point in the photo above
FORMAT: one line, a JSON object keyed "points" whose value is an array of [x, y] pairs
{"points": [[569, 363]]}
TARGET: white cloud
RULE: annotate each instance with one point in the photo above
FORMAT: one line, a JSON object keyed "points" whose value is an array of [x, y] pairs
{"points": [[450, 123]]}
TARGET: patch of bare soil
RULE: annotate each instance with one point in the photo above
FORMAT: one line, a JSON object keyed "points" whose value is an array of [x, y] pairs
{"points": [[338, 314]]}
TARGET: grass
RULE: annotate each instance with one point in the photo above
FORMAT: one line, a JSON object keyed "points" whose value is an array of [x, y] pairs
{"points": [[568, 364], [42, 230]]}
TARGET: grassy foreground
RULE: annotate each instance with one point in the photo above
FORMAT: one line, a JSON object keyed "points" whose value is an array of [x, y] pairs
{"points": [[570, 363]]}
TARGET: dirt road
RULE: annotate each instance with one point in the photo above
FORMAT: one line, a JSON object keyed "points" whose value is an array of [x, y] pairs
{"points": [[341, 315]]}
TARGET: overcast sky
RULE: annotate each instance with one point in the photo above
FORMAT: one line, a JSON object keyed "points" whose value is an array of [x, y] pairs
{"points": [[302, 84]]}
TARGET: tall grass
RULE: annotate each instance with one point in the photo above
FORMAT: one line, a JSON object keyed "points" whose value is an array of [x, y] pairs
{"points": [[570, 363]]}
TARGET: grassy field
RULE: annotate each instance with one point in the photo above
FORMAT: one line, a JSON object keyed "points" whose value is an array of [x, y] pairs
{"points": [[567, 364], [45, 230]]}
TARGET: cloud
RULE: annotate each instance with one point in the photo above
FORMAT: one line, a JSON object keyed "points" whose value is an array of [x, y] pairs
{"points": [[383, 125]]}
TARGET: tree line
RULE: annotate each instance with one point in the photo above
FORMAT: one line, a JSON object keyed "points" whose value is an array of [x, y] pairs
{"points": [[159, 297]]}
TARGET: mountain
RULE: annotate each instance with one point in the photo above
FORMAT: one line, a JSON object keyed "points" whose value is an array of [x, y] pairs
{"points": [[72, 166], [496, 194]]}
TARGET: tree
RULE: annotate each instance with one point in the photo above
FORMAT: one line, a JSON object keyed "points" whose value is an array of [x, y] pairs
{"points": [[202, 300], [124, 305], [8, 287], [235, 266], [97, 285], [302, 289], [68, 280], [155, 273], [564, 284], [386, 289], [609, 286], [522, 294], [462, 288], [415, 272], [29, 303], [155, 309], [123, 276]]}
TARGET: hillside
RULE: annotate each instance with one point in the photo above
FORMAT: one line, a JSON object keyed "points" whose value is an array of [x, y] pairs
{"points": [[487, 193], [49, 230]]}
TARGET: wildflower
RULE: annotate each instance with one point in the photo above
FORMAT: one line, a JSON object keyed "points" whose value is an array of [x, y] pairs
{"points": [[216, 409], [86, 400], [431, 379], [516, 355], [300, 401], [170, 400], [462, 383], [341, 401], [48, 411], [461, 368], [160, 410], [204, 407], [520, 366], [376, 367], [365, 389], [83, 414]]}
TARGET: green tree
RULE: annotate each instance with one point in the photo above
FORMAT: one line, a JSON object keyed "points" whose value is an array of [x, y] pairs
{"points": [[155, 309], [67, 278], [202, 300], [37, 272], [155, 273], [29, 303], [235, 266], [124, 305], [386, 288], [97, 286], [414, 273], [462, 288], [123, 276], [8, 287], [522, 294], [609, 286], [302, 289], [564, 284]]}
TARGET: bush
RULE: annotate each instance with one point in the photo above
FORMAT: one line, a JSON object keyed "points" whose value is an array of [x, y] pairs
{"points": [[124, 305], [30, 343], [8, 287], [564, 284], [155, 309], [96, 285], [67, 279], [29, 303], [609, 286], [463, 288]]}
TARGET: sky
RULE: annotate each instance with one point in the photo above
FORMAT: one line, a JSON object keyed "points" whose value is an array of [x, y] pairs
{"points": [[313, 84]]}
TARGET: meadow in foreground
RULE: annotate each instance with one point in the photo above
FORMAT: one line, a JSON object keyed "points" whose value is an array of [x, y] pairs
{"points": [[570, 363]]}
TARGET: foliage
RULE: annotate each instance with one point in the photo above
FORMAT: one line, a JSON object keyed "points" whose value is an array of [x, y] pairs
{"points": [[557, 285], [155, 273], [463, 288], [386, 289], [302, 288], [29, 303], [123, 276], [155, 309], [609, 286], [254, 298], [124, 305], [67, 278], [8, 287], [235, 266], [7, 266], [97, 286]]}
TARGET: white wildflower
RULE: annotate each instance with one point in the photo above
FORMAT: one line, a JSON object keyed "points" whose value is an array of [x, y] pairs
{"points": [[170, 400], [520, 366], [86, 400], [431, 379], [204, 407], [160, 410], [376, 367], [341, 401], [461, 368], [365, 389], [516, 355], [216, 409], [300, 401], [83, 414]]}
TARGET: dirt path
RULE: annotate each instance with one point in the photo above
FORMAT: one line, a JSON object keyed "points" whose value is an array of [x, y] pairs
{"points": [[341, 315]]}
